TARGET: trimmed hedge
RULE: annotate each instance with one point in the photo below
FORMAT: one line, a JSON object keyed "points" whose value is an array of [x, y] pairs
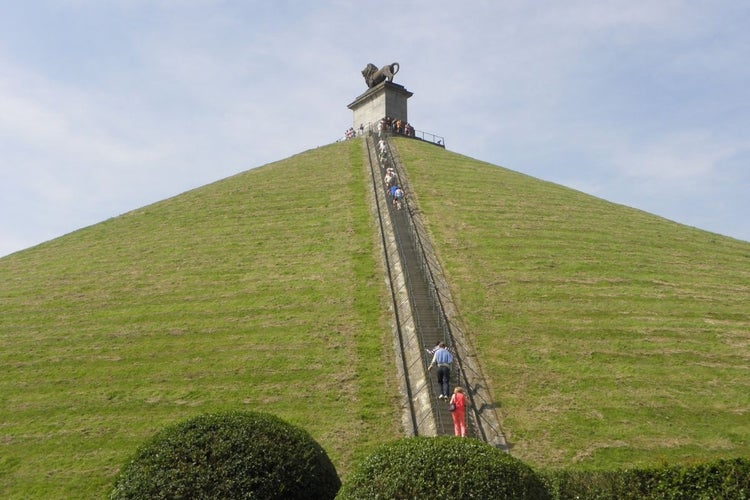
{"points": [[725, 479], [441, 467], [229, 455], [257, 455]]}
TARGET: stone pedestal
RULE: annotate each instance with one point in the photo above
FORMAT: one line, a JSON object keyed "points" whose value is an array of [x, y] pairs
{"points": [[384, 99]]}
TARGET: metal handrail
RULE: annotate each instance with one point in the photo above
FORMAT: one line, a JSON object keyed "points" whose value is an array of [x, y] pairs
{"points": [[412, 412], [451, 330], [374, 128]]}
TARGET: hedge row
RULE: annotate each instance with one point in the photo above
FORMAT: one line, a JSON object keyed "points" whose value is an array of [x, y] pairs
{"points": [[449, 468], [257, 455], [720, 479]]}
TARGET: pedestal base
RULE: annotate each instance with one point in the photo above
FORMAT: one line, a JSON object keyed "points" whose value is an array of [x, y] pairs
{"points": [[385, 99]]}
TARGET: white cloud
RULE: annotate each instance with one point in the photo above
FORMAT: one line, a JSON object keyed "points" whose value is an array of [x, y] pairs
{"points": [[685, 157]]}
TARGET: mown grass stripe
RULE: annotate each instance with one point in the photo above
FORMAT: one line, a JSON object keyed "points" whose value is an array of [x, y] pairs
{"points": [[259, 291], [606, 332]]}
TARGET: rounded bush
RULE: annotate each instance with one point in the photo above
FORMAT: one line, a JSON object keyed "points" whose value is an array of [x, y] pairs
{"points": [[229, 455], [441, 467]]}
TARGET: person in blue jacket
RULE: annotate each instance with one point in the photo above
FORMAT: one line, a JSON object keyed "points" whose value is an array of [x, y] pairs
{"points": [[442, 359]]}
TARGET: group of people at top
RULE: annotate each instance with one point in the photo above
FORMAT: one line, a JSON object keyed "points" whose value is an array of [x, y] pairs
{"points": [[397, 126], [387, 124], [442, 358], [351, 133]]}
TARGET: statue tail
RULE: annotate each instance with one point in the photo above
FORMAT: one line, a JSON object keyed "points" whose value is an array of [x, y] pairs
{"points": [[394, 68]]}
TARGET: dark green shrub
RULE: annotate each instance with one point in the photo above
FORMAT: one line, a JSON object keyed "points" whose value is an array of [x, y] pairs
{"points": [[441, 467], [229, 455], [725, 479], [593, 485]]}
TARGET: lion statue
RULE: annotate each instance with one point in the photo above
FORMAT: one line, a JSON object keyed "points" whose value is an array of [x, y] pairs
{"points": [[374, 76]]}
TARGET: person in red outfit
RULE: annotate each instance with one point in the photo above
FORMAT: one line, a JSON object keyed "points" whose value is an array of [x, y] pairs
{"points": [[459, 415]]}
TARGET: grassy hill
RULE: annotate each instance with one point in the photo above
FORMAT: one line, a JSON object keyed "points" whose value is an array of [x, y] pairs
{"points": [[610, 337], [262, 291]]}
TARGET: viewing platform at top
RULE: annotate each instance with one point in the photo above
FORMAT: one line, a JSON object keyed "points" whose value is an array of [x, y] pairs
{"points": [[383, 105]]}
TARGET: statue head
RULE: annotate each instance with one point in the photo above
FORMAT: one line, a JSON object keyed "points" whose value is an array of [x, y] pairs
{"points": [[369, 70]]}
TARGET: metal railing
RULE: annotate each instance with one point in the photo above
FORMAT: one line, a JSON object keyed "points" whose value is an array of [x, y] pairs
{"points": [[374, 128], [485, 421]]}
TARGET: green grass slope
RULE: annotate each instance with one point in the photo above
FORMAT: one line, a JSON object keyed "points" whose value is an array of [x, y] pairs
{"points": [[262, 291], [611, 337]]}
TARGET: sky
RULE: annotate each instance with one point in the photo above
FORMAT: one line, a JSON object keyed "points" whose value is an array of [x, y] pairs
{"points": [[107, 106]]}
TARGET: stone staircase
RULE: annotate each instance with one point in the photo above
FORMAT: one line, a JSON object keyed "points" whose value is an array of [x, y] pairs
{"points": [[424, 314]]}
